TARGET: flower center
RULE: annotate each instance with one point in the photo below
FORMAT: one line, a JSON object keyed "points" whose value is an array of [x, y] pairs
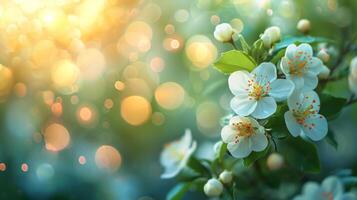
{"points": [[302, 114], [297, 66], [256, 90], [243, 128], [177, 154]]}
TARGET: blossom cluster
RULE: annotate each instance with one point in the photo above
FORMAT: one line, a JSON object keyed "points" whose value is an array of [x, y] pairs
{"points": [[263, 91], [256, 95]]}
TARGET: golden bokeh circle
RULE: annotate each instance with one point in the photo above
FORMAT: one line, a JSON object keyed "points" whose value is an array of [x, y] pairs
{"points": [[135, 110], [170, 95]]}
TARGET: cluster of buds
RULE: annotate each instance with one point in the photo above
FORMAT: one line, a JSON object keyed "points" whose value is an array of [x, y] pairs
{"points": [[214, 187]]}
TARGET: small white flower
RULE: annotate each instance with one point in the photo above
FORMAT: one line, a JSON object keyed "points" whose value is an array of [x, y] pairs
{"points": [[303, 25], [223, 32], [323, 55], [176, 154], [256, 93], [226, 177], [273, 32], [275, 161], [301, 67], [244, 135], [303, 117], [330, 189], [213, 188]]}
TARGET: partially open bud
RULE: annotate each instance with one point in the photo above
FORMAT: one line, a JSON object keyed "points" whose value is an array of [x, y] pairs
{"points": [[275, 161], [353, 67], [325, 72], [323, 55], [274, 33], [226, 177], [223, 32], [266, 40], [213, 188], [304, 26]]}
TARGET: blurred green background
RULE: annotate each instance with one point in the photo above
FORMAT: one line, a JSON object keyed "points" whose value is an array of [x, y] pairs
{"points": [[91, 90]]}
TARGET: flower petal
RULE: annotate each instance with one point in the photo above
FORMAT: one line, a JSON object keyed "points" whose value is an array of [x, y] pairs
{"points": [[258, 142], [186, 139], [297, 80], [171, 171], [281, 89], [315, 66], [264, 73], [312, 190], [293, 127], [290, 51], [310, 98], [265, 107], [240, 149], [310, 81], [228, 134], [332, 184], [243, 106], [238, 82], [285, 66], [316, 127], [305, 48]]}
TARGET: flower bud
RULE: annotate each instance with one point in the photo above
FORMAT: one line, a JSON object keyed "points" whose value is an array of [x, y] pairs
{"points": [[303, 26], [325, 72], [275, 161], [352, 83], [353, 67], [223, 32], [323, 55], [274, 33], [213, 188], [266, 40], [226, 177]]}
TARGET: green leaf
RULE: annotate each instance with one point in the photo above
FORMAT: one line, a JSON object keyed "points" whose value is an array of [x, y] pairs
{"points": [[221, 152], [187, 174], [254, 156], [277, 123], [331, 106], [330, 138], [298, 40], [197, 166], [300, 154], [179, 191], [234, 60]]}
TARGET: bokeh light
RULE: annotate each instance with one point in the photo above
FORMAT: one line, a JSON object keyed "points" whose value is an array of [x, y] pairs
{"points": [[200, 51], [135, 110], [56, 137], [170, 95], [108, 158]]}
